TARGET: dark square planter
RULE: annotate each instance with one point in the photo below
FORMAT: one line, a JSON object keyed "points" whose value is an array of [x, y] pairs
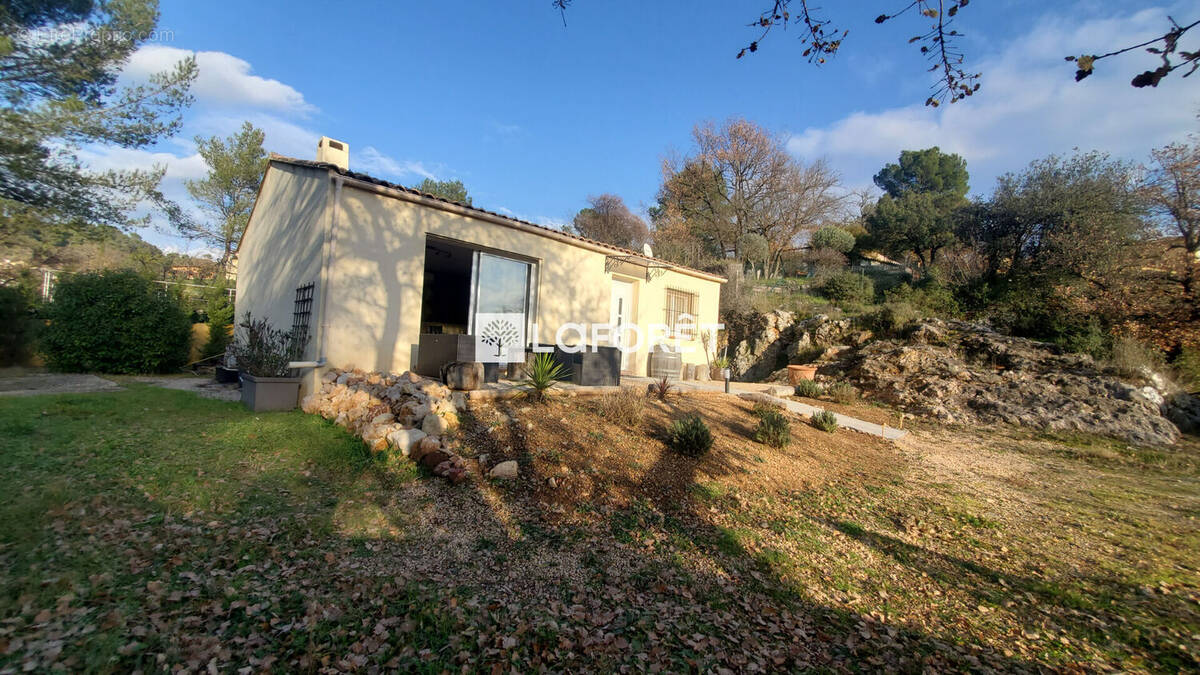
{"points": [[225, 375], [263, 394]]}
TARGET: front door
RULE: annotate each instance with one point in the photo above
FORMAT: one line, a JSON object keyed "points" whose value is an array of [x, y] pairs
{"points": [[620, 316]]}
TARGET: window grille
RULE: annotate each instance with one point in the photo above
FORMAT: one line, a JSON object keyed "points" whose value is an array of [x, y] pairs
{"points": [[302, 310], [680, 303]]}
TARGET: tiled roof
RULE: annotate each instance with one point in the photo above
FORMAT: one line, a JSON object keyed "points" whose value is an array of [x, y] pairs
{"points": [[394, 186]]}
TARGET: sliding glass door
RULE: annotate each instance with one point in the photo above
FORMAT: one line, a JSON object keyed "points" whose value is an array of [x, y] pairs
{"points": [[501, 286]]}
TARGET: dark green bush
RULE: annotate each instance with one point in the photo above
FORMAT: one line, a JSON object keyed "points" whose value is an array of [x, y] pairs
{"points": [[1041, 313], [689, 436], [848, 287], [218, 306], [929, 296], [773, 428], [809, 389], [115, 322], [825, 421], [17, 327]]}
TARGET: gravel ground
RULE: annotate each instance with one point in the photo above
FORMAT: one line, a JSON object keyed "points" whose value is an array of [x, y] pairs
{"points": [[28, 384]]}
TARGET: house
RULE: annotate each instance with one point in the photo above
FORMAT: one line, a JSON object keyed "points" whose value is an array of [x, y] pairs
{"points": [[370, 269]]}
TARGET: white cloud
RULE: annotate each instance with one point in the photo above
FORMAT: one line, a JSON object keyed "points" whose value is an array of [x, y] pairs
{"points": [[373, 161], [552, 223], [1029, 106], [222, 79], [187, 167]]}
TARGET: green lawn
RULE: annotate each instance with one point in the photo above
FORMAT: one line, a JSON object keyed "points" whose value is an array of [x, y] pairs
{"points": [[151, 529]]}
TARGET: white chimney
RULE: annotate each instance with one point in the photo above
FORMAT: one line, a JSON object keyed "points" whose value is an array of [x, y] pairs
{"points": [[333, 152]]}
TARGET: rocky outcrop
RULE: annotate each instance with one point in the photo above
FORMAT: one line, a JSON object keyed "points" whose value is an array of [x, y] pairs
{"points": [[966, 373], [765, 343]]}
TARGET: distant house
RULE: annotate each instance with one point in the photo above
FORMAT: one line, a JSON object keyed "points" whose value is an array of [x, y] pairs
{"points": [[370, 270]]}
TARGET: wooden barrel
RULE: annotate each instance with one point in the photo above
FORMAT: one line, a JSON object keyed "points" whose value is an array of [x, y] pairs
{"points": [[665, 363]]}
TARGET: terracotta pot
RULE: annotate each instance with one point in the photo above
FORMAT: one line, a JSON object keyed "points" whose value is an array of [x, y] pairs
{"points": [[801, 372]]}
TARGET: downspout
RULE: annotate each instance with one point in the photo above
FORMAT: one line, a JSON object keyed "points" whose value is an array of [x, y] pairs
{"points": [[326, 263]]}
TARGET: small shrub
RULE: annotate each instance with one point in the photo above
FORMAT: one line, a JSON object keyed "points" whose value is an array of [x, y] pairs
{"points": [[543, 374], [892, 318], [846, 288], [16, 327], [773, 428], [115, 322], [809, 389], [842, 392], [765, 408], [825, 421], [1131, 358], [662, 388], [623, 407], [689, 436], [262, 350]]}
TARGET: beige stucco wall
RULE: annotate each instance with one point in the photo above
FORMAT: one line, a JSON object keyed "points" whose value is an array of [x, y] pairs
{"points": [[652, 300], [377, 273], [283, 246]]}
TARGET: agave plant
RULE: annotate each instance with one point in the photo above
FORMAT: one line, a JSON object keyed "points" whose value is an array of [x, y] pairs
{"points": [[543, 374]]}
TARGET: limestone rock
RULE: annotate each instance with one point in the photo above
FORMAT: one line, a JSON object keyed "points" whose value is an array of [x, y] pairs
{"points": [[504, 470], [404, 439], [439, 424], [464, 375]]}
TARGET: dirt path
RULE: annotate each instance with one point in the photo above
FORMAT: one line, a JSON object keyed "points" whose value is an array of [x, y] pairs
{"points": [[46, 383]]}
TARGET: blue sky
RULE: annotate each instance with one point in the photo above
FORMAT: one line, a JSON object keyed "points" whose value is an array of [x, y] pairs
{"points": [[533, 116]]}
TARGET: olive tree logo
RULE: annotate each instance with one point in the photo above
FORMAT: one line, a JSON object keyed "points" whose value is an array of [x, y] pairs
{"points": [[499, 337]]}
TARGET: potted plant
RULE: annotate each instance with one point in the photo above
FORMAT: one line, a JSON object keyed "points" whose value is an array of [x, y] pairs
{"points": [[262, 353], [721, 363]]}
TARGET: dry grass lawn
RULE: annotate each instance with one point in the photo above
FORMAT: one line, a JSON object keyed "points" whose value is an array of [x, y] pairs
{"points": [[152, 529]]}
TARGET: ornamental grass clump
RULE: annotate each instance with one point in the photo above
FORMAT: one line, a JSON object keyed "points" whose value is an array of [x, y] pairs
{"points": [[689, 436], [624, 406]]}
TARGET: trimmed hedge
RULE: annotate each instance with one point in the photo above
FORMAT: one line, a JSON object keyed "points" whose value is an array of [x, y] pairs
{"points": [[115, 322], [17, 327]]}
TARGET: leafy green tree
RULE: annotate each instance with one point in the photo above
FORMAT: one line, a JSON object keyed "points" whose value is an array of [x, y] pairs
{"points": [[1061, 240], [235, 169], [912, 224], [1060, 219], [930, 171], [453, 190], [916, 215], [834, 238], [59, 65], [755, 248]]}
